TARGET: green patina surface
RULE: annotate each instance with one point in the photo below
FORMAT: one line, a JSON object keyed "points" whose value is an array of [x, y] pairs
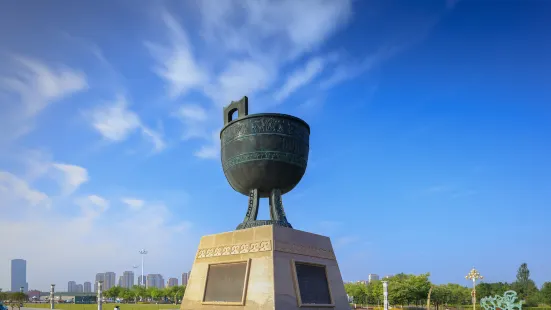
{"points": [[289, 158], [505, 302]]}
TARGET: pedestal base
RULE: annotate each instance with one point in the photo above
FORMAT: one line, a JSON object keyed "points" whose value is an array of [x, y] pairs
{"points": [[266, 267]]}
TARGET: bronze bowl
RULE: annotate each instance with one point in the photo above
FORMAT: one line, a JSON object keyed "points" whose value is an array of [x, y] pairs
{"points": [[263, 155]]}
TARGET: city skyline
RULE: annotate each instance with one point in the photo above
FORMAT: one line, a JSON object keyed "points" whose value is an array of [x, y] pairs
{"points": [[429, 126], [128, 279]]}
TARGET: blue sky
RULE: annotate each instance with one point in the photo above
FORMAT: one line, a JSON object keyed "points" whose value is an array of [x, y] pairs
{"points": [[429, 146]]}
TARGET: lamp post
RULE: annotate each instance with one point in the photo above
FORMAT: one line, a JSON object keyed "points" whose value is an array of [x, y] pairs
{"points": [[385, 295], [143, 252], [52, 296], [474, 275], [100, 295]]}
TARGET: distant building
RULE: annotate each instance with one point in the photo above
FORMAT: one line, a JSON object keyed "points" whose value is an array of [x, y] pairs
{"points": [[71, 286], [127, 279], [34, 294], [372, 277], [87, 287], [100, 277], [141, 280], [185, 278], [364, 282], [79, 288], [172, 282], [155, 280], [19, 275], [110, 280]]}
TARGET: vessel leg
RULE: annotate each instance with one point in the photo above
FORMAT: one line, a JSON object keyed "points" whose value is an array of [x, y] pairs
{"points": [[276, 208], [252, 210]]}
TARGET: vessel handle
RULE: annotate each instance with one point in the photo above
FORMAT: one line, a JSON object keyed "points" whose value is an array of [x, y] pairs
{"points": [[241, 106]]}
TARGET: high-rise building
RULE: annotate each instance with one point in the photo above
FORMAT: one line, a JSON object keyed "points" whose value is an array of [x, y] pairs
{"points": [[172, 282], [110, 280], [372, 277], [141, 281], [127, 279], [155, 280], [99, 277], [71, 287], [19, 275], [79, 288], [120, 281], [87, 287], [185, 278]]}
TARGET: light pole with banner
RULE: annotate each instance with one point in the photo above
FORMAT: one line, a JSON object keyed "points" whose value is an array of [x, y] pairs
{"points": [[385, 294], [474, 275], [52, 302]]}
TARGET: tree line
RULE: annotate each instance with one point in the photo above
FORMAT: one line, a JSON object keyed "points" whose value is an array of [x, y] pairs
{"points": [[409, 289], [140, 293]]}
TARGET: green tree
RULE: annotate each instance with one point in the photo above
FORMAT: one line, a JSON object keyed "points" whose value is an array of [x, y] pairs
{"points": [[358, 291], [523, 273], [153, 293], [126, 294], [525, 287], [138, 292], [545, 293], [180, 291]]}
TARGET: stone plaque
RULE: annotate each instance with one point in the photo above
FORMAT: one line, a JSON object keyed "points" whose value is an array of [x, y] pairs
{"points": [[226, 283], [312, 283]]}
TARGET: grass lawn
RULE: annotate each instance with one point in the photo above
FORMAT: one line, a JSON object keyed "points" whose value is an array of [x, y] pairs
{"points": [[105, 306]]}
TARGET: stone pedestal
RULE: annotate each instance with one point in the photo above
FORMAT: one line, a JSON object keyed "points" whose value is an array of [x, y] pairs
{"points": [[266, 267]]}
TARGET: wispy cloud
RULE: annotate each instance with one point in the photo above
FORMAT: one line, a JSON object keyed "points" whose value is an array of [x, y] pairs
{"points": [[133, 203], [115, 122], [30, 87], [242, 56], [92, 206], [16, 191], [300, 78], [72, 177], [175, 62]]}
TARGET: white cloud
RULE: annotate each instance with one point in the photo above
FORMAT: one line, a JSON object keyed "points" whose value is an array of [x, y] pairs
{"points": [[154, 137], [243, 77], [15, 191], [109, 237], [243, 49], [29, 88], [72, 177], [194, 118], [133, 203], [175, 63], [92, 206], [115, 122], [300, 78], [212, 149], [193, 112]]}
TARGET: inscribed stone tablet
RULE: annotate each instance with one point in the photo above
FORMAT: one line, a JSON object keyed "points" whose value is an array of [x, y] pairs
{"points": [[312, 283], [225, 282]]}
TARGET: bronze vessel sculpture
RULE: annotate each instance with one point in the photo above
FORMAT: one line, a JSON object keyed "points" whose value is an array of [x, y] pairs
{"points": [[263, 156]]}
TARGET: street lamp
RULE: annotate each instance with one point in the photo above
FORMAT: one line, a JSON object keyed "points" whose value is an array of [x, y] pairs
{"points": [[474, 275], [143, 252]]}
